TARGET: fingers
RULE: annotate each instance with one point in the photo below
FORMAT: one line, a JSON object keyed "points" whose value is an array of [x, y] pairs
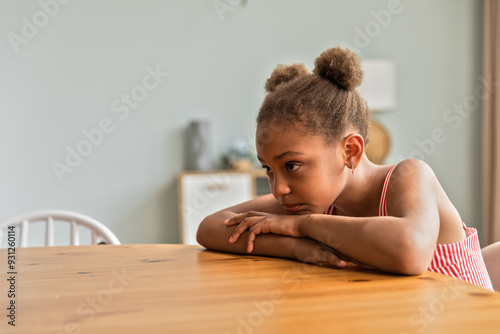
{"points": [[332, 260], [250, 246], [251, 240], [328, 259], [231, 221], [238, 231], [234, 237], [252, 234], [235, 220], [245, 224]]}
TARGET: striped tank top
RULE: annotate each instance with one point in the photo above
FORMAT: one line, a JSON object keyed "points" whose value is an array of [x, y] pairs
{"points": [[462, 260]]}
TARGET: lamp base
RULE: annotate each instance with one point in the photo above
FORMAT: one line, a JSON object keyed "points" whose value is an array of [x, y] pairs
{"points": [[379, 145]]}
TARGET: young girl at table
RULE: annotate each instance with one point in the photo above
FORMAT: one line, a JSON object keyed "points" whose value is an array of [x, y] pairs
{"points": [[329, 203]]}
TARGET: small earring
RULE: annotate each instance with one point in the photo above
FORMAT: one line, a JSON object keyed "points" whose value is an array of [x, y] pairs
{"points": [[353, 169]]}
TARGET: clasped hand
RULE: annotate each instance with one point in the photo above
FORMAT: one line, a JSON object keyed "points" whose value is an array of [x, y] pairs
{"points": [[306, 249], [260, 222]]}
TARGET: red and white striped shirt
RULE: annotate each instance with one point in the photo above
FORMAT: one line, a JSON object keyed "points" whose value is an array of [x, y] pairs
{"points": [[462, 259]]}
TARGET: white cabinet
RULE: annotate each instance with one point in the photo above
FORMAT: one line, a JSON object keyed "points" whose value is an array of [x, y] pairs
{"points": [[203, 193]]}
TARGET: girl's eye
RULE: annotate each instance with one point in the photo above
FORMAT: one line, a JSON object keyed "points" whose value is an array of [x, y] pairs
{"points": [[292, 167], [268, 170]]}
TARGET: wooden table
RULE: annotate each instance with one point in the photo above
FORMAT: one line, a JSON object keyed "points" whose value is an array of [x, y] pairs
{"points": [[186, 289]]}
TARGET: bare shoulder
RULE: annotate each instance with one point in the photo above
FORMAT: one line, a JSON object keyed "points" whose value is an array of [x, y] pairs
{"points": [[411, 169], [414, 174], [416, 192], [413, 186]]}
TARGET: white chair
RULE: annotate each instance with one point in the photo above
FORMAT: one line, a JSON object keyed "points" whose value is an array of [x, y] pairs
{"points": [[491, 256], [99, 231]]}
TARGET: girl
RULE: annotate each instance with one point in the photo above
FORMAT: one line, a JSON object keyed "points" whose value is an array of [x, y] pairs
{"points": [[329, 203]]}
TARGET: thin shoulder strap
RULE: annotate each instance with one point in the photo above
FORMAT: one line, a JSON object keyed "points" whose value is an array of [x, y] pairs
{"points": [[382, 209], [329, 211]]}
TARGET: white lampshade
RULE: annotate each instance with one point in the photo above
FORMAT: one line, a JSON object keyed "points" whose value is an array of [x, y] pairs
{"points": [[379, 84]]}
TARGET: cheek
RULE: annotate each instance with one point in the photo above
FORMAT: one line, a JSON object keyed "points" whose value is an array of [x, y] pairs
{"points": [[312, 186], [326, 184]]}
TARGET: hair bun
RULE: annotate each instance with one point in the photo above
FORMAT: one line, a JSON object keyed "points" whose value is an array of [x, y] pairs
{"points": [[340, 66], [283, 74]]}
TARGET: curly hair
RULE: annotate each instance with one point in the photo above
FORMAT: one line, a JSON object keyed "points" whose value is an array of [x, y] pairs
{"points": [[323, 102]]}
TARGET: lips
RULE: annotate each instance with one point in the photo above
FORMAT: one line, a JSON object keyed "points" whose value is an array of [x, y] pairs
{"points": [[292, 207]]}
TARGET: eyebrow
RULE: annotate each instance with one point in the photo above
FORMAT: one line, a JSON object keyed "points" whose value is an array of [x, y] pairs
{"points": [[282, 155]]}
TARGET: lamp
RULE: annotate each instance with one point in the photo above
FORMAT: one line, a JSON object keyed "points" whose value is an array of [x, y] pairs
{"points": [[379, 90]]}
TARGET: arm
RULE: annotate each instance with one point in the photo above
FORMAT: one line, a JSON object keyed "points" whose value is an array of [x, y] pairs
{"points": [[214, 234], [386, 243], [402, 243]]}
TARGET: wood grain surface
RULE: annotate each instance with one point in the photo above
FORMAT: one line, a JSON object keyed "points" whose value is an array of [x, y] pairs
{"points": [[186, 289]]}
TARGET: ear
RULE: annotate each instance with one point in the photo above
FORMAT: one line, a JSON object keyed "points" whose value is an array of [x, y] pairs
{"points": [[354, 146]]}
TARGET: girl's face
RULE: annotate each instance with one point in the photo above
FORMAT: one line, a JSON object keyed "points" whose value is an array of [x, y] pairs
{"points": [[305, 173]]}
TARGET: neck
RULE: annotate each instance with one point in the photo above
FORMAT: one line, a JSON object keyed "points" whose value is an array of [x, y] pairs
{"points": [[361, 194]]}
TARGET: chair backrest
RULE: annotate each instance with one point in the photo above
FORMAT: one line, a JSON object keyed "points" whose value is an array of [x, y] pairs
{"points": [[491, 256], [99, 230]]}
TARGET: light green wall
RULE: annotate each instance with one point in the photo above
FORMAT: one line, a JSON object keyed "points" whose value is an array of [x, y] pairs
{"points": [[66, 77]]}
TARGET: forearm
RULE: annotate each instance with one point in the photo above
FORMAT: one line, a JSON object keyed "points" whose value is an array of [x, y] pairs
{"points": [[214, 234], [385, 243]]}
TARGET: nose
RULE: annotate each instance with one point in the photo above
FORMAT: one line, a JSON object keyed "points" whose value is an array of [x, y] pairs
{"points": [[279, 186]]}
